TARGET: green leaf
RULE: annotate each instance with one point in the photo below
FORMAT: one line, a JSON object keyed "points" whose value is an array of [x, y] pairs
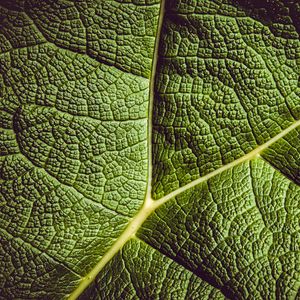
{"points": [[149, 150]]}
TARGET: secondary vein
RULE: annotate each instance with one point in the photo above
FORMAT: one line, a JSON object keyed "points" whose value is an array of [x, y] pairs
{"points": [[244, 158], [151, 205]]}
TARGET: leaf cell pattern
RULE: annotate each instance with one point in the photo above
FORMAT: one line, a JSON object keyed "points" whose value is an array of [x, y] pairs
{"points": [[149, 150]]}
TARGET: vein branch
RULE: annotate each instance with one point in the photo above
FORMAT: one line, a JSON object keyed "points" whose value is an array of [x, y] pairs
{"points": [[151, 205], [148, 206], [248, 156]]}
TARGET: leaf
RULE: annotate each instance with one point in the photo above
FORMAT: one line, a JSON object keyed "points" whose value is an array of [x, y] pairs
{"points": [[149, 150]]}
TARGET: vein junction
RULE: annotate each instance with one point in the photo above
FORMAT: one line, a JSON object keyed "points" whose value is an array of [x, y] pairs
{"points": [[89, 119], [151, 205]]}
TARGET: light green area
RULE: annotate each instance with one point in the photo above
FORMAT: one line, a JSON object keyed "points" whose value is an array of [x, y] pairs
{"points": [[120, 34], [226, 83], [141, 272], [73, 139], [285, 154], [240, 229], [27, 273], [78, 81]]}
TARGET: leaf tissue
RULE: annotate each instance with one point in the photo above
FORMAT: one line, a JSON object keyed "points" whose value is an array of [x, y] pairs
{"points": [[149, 149]]}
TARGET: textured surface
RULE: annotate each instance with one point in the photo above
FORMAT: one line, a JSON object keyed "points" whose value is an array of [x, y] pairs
{"points": [[118, 33], [73, 137], [27, 273], [78, 81], [226, 83], [239, 230], [285, 155], [141, 272]]}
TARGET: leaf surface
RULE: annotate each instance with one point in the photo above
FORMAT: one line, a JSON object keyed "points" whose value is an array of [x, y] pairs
{"points": [[149, 150]]}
